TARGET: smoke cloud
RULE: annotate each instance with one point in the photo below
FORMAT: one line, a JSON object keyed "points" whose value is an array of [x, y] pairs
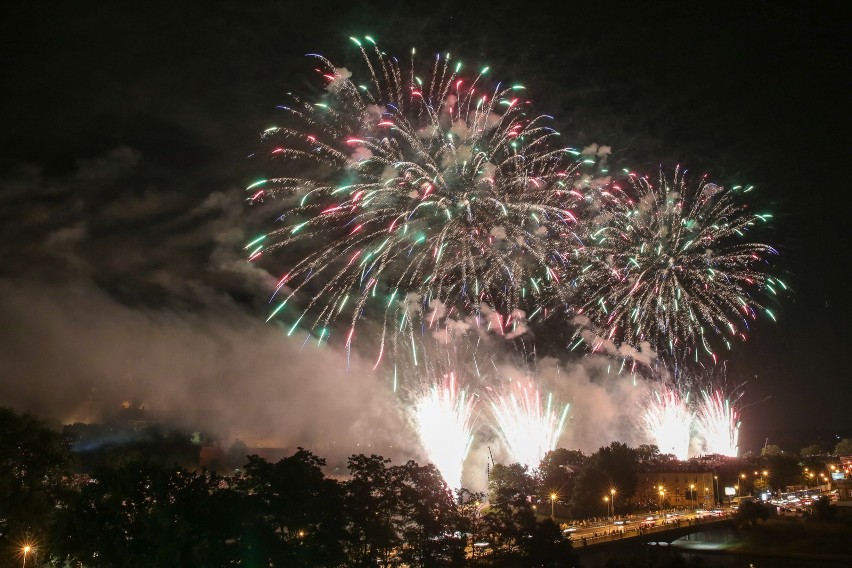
{"points": [[123, 290]]}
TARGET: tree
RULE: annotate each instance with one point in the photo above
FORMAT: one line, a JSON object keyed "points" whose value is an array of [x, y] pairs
{"points": [[555, 475], [843, 447], [372, 505], [299, 509], [812, 450], [750, 512], [428, 517], [470, 507], [648, 451], [142, 514], [34, 464], [823, 509], [783, 469], [619, 463], [771, 450], [509, 517], [591, 485], [510, 482], [547, 548]]}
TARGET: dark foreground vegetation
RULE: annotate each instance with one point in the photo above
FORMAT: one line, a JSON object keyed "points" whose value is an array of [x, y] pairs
{"points": [[143, 502]]}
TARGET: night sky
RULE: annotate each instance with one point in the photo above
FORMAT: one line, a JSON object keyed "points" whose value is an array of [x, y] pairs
{"points": [[126, 128]]}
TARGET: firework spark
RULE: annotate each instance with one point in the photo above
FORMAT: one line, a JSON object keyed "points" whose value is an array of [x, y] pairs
{"points": [[718, 423], [674, 268], [445, 187], [443, 416], [528, 427], [668, 420]]}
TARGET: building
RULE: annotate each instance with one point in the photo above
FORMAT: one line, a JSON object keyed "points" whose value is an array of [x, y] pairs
{"points": [[841, 481], [677, 484]]}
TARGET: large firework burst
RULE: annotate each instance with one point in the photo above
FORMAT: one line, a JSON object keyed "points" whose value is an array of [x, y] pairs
{"points": [[443, 417], [527, 425], [718, 422], [443, 186], [675, 267], [668, 421]]}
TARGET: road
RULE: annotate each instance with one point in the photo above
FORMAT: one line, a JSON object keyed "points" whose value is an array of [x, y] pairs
{"points": [[630, 526]]}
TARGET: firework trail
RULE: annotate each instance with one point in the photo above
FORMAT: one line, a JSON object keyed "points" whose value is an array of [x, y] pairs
{"points": [[443, 416], [674, 268], [718, 422], [668, 420], [442, 186], [528, 427]]}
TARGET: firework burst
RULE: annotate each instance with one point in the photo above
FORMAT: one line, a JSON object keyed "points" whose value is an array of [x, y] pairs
{"points": [[718, 422], [668, 421], [443, 186], [443, 417], [674, 268], [528, 427]]}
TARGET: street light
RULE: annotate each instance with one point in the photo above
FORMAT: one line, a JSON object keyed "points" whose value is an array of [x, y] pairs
{"points": [[612, 499], [715, 489], [606, 500], [552, 501], [25, 550], [692, 493]]}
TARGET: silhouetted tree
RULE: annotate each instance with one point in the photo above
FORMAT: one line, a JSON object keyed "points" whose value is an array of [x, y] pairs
{"points": [[843, 447], [372, 504], [812, 450], [509, 517], [771, 450], [547, 548], [590, 487], [619, 462], [470, 506], [509, 482], [429, 518], [647, 451], [556, 474], [823, 509], [142, 514], [300, 509], [750, 512], [34, 463]]}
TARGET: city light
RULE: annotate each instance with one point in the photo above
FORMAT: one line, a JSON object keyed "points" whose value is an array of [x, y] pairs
{"points": [[25, 550]]}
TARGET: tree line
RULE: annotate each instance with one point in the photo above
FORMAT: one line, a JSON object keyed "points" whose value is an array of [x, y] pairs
{"points": [[137, 507], [142, 502]]}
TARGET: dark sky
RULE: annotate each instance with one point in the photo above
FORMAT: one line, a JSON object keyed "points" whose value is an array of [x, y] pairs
{"points": [[126, 127]]}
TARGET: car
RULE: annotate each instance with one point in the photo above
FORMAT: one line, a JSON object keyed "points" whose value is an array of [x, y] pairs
{"points": [[622, 522], [648, 522], [569, 530]]}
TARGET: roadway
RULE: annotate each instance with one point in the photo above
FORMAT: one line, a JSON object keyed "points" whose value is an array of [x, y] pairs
{"points": [[637, 525]]}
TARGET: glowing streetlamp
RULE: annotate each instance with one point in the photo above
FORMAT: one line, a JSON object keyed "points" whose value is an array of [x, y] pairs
{"points": [[692, 493], [25, 551], [552, 503], [715, 489], [606, 500], [612, 499]]}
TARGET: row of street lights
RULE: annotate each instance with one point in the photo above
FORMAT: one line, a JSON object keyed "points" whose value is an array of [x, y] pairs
{"points": [[608, 499]]}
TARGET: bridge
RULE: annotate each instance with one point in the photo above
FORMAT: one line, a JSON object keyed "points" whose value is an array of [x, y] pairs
{"points": [[630, 537]]}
